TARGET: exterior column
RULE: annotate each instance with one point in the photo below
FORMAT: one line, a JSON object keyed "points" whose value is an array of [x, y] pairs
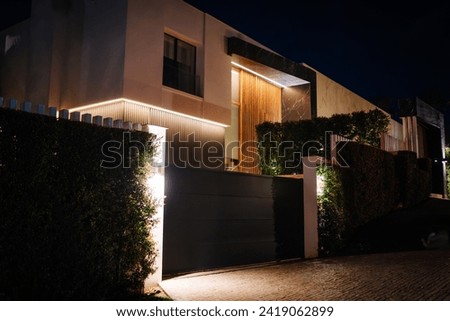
{"points": [[311, 233], [156, 186]]}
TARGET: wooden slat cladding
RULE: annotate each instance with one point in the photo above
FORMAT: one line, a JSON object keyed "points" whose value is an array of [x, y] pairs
{"points": [[260, 102]]}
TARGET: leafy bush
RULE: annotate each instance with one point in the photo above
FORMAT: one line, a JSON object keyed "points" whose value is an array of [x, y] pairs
{"points": [[375, 183], [370, 184], [281, 145], [70, 228]]}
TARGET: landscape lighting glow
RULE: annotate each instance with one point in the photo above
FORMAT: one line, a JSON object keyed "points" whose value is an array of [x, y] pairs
{"points": [[155, 186], [320, 185], [120, 100]]}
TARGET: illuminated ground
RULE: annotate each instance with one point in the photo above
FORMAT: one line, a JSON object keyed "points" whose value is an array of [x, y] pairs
{"points": [[413, 275]]}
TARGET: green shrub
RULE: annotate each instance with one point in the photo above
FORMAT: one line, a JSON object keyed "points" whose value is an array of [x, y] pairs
{"points": [[281, 145], [370, 185], [368, 126], [414, 178], [70, 228], [375, 183], [354, 195], [331, 216]]}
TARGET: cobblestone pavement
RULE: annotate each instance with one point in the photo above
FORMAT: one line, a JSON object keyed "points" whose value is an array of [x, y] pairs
{"points": [[402, 276]]}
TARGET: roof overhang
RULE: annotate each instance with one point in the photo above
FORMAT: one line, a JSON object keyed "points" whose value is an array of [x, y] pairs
{"points": [[268, 63], [279, 69], [273, 75]]}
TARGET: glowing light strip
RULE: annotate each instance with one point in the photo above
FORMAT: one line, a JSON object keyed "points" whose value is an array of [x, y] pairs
{"points": [[118, 100], [258, 74]]}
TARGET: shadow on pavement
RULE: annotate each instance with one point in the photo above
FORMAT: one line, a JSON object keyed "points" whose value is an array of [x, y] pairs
{"points": [[425, 226]]}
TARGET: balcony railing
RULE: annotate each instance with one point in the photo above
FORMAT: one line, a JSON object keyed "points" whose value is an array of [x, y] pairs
{"points": [[177, 75]]}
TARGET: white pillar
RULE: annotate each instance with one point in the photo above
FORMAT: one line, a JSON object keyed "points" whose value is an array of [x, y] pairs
{"points": [[75, 116], [118, 123], [63, 114], [12, 104], [86, 118], [41, 109], [311, 237], [52, 111], [108, 122], [137, 127], [157, 186], [27, 107], [97, 120], [128, 125]]}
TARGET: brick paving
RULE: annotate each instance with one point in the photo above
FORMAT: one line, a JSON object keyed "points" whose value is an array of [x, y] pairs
{"points": [[400, 276]]}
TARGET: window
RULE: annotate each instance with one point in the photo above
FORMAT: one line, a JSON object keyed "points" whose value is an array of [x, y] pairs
{"points": [[179, 65]]}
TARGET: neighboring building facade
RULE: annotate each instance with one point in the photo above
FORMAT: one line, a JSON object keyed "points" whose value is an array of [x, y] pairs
{"points": [[424, 134], [168, 64]]}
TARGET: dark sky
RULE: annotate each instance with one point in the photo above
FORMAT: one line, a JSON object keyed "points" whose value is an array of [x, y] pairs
{"points": [[13, 11], [371, 47]]}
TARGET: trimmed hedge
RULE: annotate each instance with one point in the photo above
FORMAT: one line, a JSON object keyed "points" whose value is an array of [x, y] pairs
{"points": [[281, 145], [369, 184], [414, 178], [70, 228], [375, 183]]}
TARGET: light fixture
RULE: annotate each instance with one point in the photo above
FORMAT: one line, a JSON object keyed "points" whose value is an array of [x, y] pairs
{"points": [[258, 74], [320, 185], [126, 100]]}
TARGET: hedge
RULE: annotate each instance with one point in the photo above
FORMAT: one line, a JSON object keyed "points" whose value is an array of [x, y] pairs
{"points": [[70, 228], [281, 145]]}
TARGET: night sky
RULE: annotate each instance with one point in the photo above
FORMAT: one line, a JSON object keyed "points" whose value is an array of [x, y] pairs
{"points": [[372, 48]]}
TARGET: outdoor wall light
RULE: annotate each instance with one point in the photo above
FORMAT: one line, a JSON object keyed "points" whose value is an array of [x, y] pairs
{"points": [[320, 185], [155, 185]]}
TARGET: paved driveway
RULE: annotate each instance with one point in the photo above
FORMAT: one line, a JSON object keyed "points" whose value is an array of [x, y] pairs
{"points": [[415, 275]]}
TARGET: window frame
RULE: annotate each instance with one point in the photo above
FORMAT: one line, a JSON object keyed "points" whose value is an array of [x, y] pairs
{"points": [[176, 64]]}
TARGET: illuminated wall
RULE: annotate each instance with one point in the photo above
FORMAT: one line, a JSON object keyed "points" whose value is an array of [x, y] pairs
{"points": [[333, 98], [94, 51], [190, 142]]}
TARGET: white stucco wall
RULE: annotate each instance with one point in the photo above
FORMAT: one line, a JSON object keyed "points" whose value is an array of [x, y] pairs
{"points": [[109, 49], [147, 21]]}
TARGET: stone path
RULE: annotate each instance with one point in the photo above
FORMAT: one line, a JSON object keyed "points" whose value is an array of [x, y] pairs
{"points": [[415, 275]]}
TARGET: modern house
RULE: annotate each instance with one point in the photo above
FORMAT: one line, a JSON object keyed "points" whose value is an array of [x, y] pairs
{"points": [[168, 64], [171, 65]]}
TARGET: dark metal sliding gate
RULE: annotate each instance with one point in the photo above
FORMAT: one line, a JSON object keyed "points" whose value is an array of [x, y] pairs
{"points": [[218, 219]]}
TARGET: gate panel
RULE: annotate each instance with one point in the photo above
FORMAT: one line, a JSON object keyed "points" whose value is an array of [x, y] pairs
{"points": [[217, 219]]}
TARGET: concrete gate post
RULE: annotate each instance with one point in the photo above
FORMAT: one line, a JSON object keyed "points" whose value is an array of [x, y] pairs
{"points": [[311, 235], [156, 186]]}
